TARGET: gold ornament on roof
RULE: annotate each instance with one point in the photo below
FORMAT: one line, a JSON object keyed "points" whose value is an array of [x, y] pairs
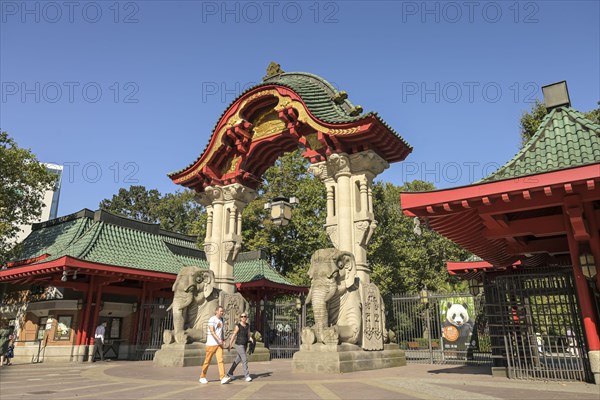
{"points": [[272, 70]]}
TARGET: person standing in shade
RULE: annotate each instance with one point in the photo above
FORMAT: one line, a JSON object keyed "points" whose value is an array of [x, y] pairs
{"points": [[241, 336], [99, 341], [214, 346]]}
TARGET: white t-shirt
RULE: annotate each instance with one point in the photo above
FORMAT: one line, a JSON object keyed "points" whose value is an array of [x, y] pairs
{"points": [[216, 323]]}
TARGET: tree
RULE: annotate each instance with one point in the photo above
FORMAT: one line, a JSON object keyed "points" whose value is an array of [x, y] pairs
{"points": [[532, 119], [176, 212], [290, 246], [402, 260], [23, 182], [135, 202]]}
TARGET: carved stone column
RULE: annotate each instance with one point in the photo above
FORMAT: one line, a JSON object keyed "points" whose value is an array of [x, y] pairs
{"points": [[350, 220], [223, 241]]}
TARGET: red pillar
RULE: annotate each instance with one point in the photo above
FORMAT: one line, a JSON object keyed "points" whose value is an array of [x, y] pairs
{"points": [[142, 300], [82, 339], [590, 321], [96, 311], [589, 212]]}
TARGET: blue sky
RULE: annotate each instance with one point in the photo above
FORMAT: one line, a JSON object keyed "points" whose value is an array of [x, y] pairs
{"points": [[122, 93]]}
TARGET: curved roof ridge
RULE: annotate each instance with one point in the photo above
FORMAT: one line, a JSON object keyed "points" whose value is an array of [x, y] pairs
{"points": [[550, 144], [273, 80]]}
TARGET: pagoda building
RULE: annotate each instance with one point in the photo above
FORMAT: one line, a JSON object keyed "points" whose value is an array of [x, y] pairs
{"points": [[86, 268], [535, 225]]}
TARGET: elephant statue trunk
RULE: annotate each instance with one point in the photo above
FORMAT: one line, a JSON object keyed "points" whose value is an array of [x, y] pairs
{"points": [[335, 296], [319, 295], [345, 309]]}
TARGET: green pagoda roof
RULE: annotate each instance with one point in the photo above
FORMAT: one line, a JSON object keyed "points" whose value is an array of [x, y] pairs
{"points": [[323, 100], [104, 238], [565, 139]]}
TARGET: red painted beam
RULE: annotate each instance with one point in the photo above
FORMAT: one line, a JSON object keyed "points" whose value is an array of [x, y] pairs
{"points": [[540, 226], [416, 203]]}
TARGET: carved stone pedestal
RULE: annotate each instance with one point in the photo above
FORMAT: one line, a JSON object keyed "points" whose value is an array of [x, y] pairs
{"points": [[322, 358], [192, 355]]}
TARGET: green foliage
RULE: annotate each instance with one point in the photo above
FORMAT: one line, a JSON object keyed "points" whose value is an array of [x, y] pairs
{"points": [[176, 212], [401, 260], [290, 246], [23, 182], [531, 120]]}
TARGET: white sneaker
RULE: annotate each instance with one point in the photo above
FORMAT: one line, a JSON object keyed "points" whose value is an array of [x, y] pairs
{"points": [[203, 381], [231, 377], [225, 380], [248, 379]]}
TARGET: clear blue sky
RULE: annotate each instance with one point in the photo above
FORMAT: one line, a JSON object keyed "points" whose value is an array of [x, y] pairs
{"points": [[132, 90]]}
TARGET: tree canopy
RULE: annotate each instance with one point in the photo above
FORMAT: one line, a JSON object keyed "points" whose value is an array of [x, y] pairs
{"points": [[176, 212], [402, 260], [23, 182], [290, 246]]}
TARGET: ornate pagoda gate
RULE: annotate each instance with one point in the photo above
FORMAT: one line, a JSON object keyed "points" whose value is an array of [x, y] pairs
{"points": [[285, 112]]}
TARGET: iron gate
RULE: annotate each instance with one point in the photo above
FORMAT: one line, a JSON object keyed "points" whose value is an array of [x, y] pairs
{"points": [[282, 325], [154, 319], [440, 328], [536, 326]]}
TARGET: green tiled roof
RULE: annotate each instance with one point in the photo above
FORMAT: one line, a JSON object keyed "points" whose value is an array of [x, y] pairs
{"points": [[318, 94], [253, 270], [104, 238], [565, 139]]}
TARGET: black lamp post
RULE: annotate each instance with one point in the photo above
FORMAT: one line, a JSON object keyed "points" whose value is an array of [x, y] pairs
{"points": [[424, 296]]}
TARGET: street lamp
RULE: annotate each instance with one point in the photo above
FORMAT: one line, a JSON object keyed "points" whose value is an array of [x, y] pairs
{"points": [[424, 296], [281, 209], [66, 274], [588, 265], [474, 287]]}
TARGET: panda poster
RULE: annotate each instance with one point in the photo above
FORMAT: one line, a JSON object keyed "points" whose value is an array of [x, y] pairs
{"points": [[457, 326]]}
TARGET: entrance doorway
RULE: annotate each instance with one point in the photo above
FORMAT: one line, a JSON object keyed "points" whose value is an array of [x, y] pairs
{"points": [[535, 322]]}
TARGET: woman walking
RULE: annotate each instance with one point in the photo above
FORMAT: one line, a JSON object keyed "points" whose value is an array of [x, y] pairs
{"points": [[241, 336]]}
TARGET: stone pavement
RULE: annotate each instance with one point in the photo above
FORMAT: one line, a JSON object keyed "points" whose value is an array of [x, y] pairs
{"points": [[273, 380]]}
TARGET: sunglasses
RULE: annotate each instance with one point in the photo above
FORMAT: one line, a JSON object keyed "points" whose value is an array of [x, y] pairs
{"points": [[243, 316]]}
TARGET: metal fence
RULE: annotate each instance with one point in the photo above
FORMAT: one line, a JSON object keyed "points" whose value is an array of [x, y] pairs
{"points": [[154, 319], [536, 325], [436, 328], [282, 325]]}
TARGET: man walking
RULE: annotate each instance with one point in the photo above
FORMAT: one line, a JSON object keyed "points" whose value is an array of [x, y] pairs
{"points": [[214, 345], [99, 341]]}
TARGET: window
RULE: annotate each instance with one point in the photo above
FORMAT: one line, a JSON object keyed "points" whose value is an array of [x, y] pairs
{"points": [[63, 328], [113, 327], [41, 327]]}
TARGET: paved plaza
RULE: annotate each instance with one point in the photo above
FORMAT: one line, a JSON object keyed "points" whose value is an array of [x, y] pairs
{"points": [[273, 380]]}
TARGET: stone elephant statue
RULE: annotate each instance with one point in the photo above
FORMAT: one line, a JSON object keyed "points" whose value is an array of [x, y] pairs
{"points": [[194, 301], [345, 310]]}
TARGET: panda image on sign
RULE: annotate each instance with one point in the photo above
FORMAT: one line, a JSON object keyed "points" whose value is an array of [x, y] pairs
{"points": [[457, 327]]}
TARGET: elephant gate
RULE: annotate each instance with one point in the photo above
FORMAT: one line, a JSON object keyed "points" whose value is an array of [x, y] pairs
{"points": [[440, 328], [346, 149]]}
